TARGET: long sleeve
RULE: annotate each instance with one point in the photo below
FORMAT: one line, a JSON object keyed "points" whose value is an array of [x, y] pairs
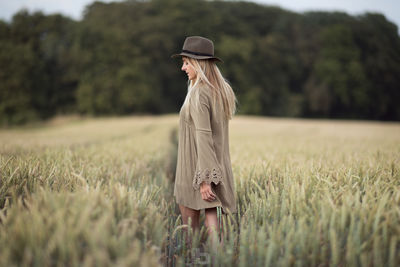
{"points": [[207, 166]]}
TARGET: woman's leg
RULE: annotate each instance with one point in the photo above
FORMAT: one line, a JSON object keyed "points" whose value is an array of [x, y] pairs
{"points": [[190, 213], [211, 222], [194, 217]]}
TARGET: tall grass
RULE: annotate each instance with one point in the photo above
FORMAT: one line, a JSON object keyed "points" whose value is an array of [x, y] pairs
{"points": [[98, 192]]}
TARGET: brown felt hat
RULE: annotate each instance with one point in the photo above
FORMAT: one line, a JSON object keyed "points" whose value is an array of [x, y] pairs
{"points": [[198, 47]]}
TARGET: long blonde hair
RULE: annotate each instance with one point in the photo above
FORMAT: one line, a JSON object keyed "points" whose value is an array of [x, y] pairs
{"points": [[208, 74]]}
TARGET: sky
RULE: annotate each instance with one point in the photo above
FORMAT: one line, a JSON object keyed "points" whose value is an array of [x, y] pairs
{"points": [[74, 8]]}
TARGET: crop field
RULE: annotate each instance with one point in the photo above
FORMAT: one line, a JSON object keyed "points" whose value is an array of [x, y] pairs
{"points": [[98, 192]]}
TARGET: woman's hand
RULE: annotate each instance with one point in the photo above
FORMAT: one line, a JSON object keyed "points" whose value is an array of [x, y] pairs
{"points": [[206, 192]]}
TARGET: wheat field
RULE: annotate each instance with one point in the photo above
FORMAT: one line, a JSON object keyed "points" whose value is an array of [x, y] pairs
{"points": [[98, 192]]}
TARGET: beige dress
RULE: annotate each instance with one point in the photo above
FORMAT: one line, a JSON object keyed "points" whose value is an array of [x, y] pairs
{"points": [[203, 155]]}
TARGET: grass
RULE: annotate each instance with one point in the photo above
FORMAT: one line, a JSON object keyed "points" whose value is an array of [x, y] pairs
{"points": [[98, 192]]}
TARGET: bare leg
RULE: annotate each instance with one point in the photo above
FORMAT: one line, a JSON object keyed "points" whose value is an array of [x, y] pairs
{"points": [[190, 213], [193, 216], [211, 222]]}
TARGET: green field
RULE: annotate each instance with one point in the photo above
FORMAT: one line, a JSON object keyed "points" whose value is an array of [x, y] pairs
{"points": [[98, 192]]}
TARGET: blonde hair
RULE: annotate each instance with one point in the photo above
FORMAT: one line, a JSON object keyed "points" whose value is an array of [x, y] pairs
{"points": [[208, 74]]}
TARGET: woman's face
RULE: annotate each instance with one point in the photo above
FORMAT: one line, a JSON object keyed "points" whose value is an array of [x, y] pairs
{"points": [[191, 73]]}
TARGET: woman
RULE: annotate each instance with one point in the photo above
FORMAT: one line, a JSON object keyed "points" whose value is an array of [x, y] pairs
{"points": [[204, 178]]}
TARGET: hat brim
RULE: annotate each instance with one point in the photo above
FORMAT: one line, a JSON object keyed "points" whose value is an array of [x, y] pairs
{"points": [[183, 54]]}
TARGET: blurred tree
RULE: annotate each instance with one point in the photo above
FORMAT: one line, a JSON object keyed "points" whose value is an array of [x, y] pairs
{"points": [[379, 42], [117, 60], [338, 85], [36, 77], [17, 63]]}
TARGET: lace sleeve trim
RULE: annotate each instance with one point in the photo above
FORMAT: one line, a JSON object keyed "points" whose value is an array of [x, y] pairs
{"points": [[207, 176]]}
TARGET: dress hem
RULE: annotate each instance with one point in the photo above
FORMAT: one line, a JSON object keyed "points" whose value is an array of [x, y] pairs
{"points": [[224, 211]]}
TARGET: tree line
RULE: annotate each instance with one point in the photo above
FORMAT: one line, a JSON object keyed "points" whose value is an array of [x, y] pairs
{"points": [[116, 60]]}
